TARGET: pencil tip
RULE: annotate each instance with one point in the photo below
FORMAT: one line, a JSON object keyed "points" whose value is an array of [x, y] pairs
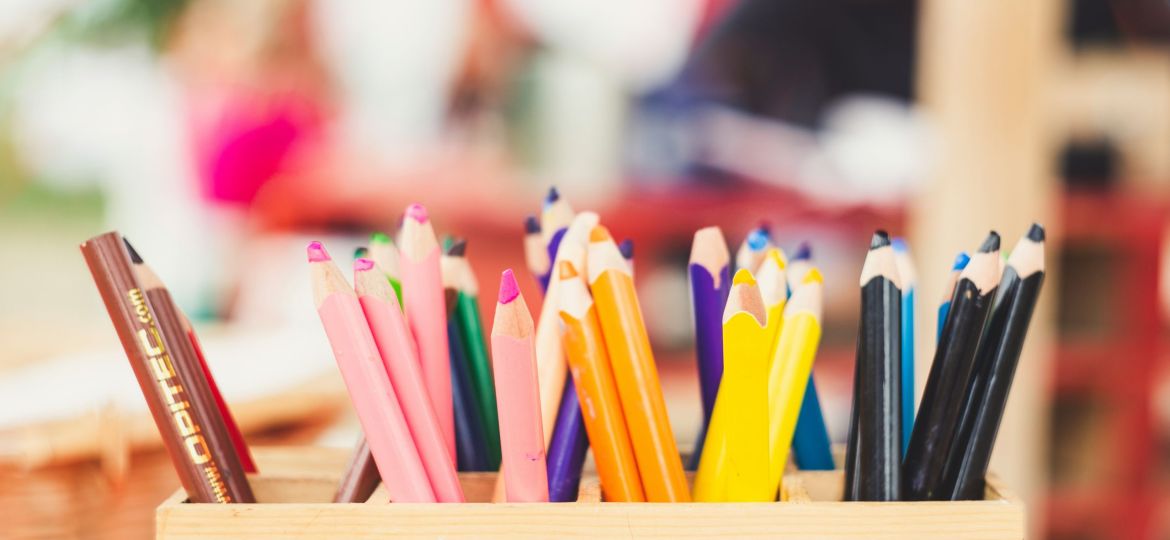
{"points": [[743, 277], [757, 239], [363, 264], [417, 212], [317, 252], [1036, 233], [458, 247], [765, 228], [813, 276], [509, 289], [553, 196], [991, 243], [567, 270], [777, 258], [880, 239], [961, 261], [899, 244], [531, 225], [600, 234], [803, 251], [379, 237], [361, 252], [134, 256], [626, 247]]}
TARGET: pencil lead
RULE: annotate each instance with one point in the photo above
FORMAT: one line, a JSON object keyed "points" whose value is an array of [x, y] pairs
{"points": [[317, 252], [961, 261], [765, 227], [991, 243], [458, 247], [899, 244], [361, 252], [362, 264], [378, 237], [531, 225], [813, 276], [777, 258], [743, 277], [417, 212], [626, 247], [803, 251], [880, 239], [600, 234], [1036, 233], [757, 239], [134, 256], [567, 270], [509, 289]]}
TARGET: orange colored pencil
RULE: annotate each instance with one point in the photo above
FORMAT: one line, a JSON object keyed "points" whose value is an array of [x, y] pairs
{"points": [[628, 345], [600, 406]]}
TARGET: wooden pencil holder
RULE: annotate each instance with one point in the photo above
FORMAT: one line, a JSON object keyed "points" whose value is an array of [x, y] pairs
{"points": [[297, 484]]}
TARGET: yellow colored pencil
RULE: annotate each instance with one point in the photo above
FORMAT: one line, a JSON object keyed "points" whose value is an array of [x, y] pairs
{"points": [[792, 362], [774, 290]]}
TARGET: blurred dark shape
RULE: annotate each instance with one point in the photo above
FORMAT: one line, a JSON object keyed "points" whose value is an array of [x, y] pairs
{"points": [[790, 59], [1090, 163], [1092, 23]]}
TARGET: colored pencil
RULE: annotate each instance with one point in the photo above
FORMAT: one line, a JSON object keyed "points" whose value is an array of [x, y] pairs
{"points": [[164, 302], [535, 255], [518, 396], [751, 252], [422, 290], [746, 353], [361, 252], [636, 375], [773, 283], [367, 381], [811, 448], [470, 440], [906, 273], [942, 400], [710, 283], [788, 375], [360, 478], [555, 217], [382, 250], [944, 307], [589, 364], [995, 367], [471, 335], [876, 436], [169, 394]]}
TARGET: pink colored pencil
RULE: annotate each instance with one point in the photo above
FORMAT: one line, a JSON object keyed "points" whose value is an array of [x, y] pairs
{"points": [[518, 397], [380, 306], [365, 378], [426, 313]]}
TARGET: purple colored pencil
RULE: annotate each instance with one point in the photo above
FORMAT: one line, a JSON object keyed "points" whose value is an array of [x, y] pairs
{"points": [[710, 275]]}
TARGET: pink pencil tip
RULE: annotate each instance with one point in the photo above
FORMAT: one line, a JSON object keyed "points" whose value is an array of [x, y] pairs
{"points": [[417, 212], [317, 252], [509, 289], [362, 264]]}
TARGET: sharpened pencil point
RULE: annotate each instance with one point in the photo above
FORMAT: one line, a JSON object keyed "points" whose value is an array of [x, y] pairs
{"points": [[379, 237], [417, 212], [777, 257], [743, 277], [899, 244], [813, 276], [134, 256], [531, 225], [757, 239], [509, 289], [1036, 233], [317, 252], [803, 252], [567, 270], [553, 196], [961, 261], [362, 265], [880, 239], [458, 247], [765, 227], [361, 252], [626, 247], [600, 234], [991, 243]]}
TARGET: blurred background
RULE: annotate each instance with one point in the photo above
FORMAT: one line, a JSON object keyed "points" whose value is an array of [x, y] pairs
{"points": [[221, 136]]}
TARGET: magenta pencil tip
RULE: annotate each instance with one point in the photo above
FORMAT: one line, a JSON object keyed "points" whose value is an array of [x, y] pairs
{"points": [[362, 264], [417, 212], [317, 252], [509, 289]]}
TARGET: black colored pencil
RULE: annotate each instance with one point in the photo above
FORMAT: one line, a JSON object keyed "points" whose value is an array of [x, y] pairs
{"points": [[995, 367], [942, 400], [876, 436]]}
